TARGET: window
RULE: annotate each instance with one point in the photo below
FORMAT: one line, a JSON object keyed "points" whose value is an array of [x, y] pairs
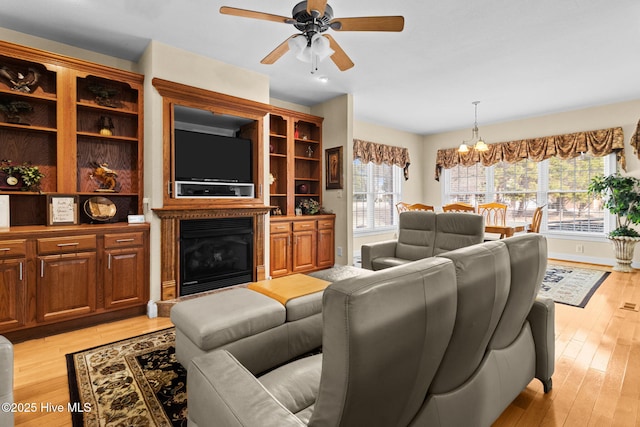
{"points": [[376, 190], [561, 185]]}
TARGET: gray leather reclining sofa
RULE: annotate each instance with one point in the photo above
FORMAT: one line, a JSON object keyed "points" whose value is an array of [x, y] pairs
{"points": [[6, 381], [443, 341], [422, 234]]}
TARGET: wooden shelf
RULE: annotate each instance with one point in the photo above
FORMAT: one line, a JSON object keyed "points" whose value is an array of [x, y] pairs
{"points": [[62, 137]]}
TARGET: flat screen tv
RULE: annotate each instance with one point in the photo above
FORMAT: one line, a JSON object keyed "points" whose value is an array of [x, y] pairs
{"points": [[212, 158]]}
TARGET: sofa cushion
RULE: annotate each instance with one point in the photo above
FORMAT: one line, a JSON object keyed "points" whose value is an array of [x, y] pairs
{"points": [[223, 317], [304, 306], [295, 384], [416, 237], [383, 262]]}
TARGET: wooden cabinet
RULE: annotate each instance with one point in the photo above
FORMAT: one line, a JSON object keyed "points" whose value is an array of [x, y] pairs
{"points": [[59, 278], [124, 278], [295, 159], [280, 251], [69, 117], [326, 243], [77, 116], [12, 283], [66, 286], [304, 246], [301, 244]]}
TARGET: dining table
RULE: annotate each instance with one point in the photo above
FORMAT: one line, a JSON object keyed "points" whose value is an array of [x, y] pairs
{"points": [[506, 230]]}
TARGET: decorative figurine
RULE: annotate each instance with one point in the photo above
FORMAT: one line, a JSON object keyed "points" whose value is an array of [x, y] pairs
{"points": [[12, 109], [309, 151], [19, 81], [104, 95], [105, 177], [106, 126]]}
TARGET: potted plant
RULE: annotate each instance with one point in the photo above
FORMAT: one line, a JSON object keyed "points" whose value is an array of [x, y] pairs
{"points": [[15, 176], [621, 195], [309, 206]]}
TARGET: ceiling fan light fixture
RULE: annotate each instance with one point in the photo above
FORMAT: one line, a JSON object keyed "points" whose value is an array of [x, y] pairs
{"points": [[320, 47]]}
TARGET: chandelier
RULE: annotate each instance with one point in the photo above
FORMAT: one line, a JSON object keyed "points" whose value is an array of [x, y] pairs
{"points": [[476, 141]]}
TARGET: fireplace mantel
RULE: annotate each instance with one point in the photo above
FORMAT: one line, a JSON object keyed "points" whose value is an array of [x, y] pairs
{"points": [[170, 239]]}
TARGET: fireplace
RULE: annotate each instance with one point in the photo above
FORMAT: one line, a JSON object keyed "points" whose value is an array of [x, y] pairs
{"points": [[215, 253]]}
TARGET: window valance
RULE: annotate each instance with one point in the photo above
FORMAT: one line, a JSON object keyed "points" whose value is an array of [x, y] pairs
{"points": [[635, 140], [372, 152], [597, 142]]}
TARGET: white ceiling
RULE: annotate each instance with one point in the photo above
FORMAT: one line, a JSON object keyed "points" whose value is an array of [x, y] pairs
{"points": [[520, 58]]}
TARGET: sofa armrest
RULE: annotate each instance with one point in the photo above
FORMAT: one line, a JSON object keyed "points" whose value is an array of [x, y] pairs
{"points": [[371, 251], [542, 321], [222, 392], [6, 379]]}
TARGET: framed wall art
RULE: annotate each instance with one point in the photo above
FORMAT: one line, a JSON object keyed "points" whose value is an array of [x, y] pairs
{"points": [[334, 168], [62, 209]]}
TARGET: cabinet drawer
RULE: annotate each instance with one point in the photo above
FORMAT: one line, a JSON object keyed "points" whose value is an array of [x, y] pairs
{"points": [[325, 223], [13, 248], [304, 225], [122, 240], [280, 227], [58, 245]]}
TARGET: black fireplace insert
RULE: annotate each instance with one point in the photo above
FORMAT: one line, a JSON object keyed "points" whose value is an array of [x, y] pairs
{"points": [[215, 253]]}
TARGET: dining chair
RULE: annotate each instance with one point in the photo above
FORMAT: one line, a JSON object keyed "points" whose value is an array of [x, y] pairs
{"points": [[402, 207], [420, 207], [494, 213], [458, 207], [536, 220]]}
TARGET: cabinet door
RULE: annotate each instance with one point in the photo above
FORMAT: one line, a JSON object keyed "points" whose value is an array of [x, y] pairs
{"points": [[12, 293], [66, 286], [124, 277], [325, 248], [304, 250], [280, 254]]}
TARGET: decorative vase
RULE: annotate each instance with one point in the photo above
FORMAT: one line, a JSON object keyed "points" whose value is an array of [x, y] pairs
{"points": [[303, 189], [624, 246]]}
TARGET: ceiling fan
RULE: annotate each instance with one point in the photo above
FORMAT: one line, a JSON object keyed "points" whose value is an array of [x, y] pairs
{"points": [[313, 18]]}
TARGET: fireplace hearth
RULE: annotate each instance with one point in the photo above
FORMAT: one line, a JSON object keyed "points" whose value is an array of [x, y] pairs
{"points": [[215, 253]]}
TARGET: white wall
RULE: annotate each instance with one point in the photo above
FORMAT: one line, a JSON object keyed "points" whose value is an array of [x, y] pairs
{"points": [[625, 115], [337, 130]]}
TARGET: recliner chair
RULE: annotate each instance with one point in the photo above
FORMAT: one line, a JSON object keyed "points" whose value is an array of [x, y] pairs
{"points": [[423, 234]]}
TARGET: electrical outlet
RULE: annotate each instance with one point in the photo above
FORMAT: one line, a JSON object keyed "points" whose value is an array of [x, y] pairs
{"points": [[580, 248], [339, 251]]}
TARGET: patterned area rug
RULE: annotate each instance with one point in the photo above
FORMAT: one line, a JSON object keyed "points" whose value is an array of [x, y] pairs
{"points": [[571, 285], [129, 383]]}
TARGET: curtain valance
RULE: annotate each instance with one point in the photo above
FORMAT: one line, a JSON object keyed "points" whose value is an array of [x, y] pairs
{"points": [[597, 142], [372, 152], [635, 140]]}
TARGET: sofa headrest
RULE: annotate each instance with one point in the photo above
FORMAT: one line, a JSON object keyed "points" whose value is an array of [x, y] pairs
{"points": [[483, 275], [528, 259], [383, 338], [416, 235], [457, 230]]}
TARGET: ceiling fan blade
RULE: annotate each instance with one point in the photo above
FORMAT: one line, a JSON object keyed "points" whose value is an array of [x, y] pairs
{"points": [[255, 15], [278, 51], [368, 23], [317, 5], [339, 57]]}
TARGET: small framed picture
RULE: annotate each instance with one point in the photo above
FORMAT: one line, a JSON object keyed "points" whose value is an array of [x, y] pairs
{"points": [[62, 209], [334, 168]]}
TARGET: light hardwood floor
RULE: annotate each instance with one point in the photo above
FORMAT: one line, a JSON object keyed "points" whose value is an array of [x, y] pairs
{"points": [[596, 381]]}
